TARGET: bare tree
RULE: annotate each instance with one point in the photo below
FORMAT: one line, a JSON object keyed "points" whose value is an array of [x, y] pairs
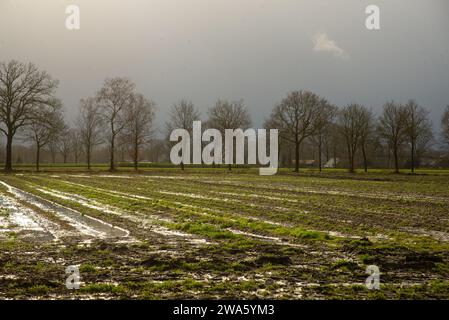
{"points": [[353, 120], [64, 142], [76, 143], [366, 134], [424, 143], [297, 118], [445, 126], [229, 115], [323, 121], [114, 99], [418, 128], [89, 124], [182, 115], [393, 129], [24, 92], [44, 128], [140, 117]]}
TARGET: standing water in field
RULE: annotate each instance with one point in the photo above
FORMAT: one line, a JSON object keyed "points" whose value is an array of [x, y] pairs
{"points": [[84, 224]]}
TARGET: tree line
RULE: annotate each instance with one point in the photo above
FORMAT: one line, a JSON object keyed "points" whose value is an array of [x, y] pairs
{"points": [[303, 114], [116, 114]]}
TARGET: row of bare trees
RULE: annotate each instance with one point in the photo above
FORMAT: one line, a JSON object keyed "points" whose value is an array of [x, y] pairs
{"points": [[118, 115], [223, 115], [116, 112], [304, 115], [28, 106]]}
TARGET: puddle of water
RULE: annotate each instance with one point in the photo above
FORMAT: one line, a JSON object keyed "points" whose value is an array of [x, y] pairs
{"points": [[24, 221], [84, 224], [146, 222]]}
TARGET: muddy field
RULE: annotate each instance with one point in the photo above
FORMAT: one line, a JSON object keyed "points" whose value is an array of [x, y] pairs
{"points": [[208, 233]]}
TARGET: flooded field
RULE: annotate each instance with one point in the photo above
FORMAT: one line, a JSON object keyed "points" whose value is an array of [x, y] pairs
{"points": [[213, 234]]}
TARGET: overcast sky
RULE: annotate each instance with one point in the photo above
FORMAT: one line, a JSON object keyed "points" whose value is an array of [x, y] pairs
{"points": [[256, 50]]}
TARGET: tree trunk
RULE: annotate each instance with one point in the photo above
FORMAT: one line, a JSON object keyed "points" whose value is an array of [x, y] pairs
{"points": [[350, 159], [88, 157], [111, 164], [413, 157], [296, 156], [396, 160], [326, 150], [8, 161], [182, 166], [38, 151], [365, 161], [352, 170]]}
